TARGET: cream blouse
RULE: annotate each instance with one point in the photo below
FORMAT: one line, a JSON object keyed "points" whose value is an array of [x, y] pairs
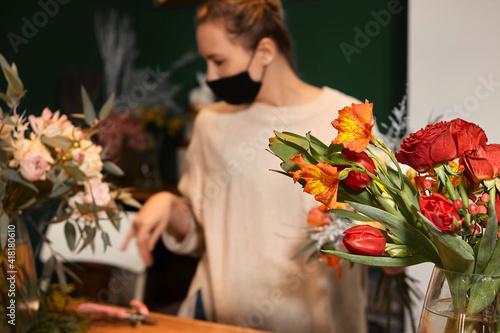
{"points": [[250, 222]]}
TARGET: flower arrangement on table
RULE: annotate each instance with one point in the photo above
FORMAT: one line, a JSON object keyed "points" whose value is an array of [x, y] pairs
{"points": [[443, 210], [47, 163]]}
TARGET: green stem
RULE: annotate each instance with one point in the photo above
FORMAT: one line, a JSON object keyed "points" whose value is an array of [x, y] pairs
{"points": [[381, 145], [446, 181], [465, 201]]}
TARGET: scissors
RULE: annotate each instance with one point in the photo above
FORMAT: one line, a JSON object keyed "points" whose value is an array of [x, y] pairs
{"points": [[139, 316]]}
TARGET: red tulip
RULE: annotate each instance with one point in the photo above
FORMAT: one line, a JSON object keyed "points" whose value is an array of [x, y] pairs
{"points": [[358, 180], [364, 240]]}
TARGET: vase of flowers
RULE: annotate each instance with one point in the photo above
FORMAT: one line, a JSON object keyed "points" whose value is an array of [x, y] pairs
{"points": [[19, 289], [51, 171], [443, 209], [470, 305]]}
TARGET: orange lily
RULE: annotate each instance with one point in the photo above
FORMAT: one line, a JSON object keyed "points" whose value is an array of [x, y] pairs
{"points": [[355, 127], [322, 180]]}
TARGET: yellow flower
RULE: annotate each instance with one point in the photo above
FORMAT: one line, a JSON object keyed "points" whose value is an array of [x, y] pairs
{"points": [[354, 125], [322, 180]]}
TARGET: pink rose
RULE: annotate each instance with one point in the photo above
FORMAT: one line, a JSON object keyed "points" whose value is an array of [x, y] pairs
{"points": [[99, 190], [33, 166], [78, 155]]}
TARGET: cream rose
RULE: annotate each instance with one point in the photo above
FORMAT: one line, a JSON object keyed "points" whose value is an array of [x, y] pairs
{"points": [[33, 166]]}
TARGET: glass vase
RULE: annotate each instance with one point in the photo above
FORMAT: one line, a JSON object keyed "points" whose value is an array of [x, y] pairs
{"points": [[461, 303], [19, 301]]}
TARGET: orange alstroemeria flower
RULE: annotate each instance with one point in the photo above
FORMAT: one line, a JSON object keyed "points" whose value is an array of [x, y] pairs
{"points": [[322, 180], [354, 125], [332, 261]]}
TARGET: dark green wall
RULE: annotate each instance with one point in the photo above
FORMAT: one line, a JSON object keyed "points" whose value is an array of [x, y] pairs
{"points": [[67, 42]]}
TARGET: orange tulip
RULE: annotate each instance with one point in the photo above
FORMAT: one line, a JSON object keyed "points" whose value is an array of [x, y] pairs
{"points": [[354, 125]]}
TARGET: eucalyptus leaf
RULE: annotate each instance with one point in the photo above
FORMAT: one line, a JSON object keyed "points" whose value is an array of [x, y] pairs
{"points": [[59, 141], [408, 234], [12, 175], [74, 172], [59, 189], [106, 240], [88, 107], [113, 169], [70, 233], [106, 108], [4, 228], [49, 267], [378, 261], [88, 236]]}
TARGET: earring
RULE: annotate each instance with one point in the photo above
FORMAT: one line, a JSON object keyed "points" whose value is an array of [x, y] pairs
{"points": [[269, 59]]}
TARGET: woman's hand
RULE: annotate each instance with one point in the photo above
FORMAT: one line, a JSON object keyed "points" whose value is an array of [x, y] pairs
{"points": [[150, 222]]}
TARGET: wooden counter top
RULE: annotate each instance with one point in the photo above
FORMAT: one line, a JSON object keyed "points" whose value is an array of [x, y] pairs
{"points": [[167, 324]]}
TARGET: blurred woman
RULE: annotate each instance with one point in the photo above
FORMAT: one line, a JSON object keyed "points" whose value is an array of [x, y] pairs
{"points": [[245, 221]]}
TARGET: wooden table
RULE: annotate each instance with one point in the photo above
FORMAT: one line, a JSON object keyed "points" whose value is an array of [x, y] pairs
{"points": [[168, 324]]}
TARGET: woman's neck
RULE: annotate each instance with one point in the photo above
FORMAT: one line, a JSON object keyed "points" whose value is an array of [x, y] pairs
{"points": [[282, 87]]}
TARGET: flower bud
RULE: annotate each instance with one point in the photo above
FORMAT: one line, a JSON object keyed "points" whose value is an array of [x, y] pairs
{"points": [[399, 250], [343, 174], [358, 180]]}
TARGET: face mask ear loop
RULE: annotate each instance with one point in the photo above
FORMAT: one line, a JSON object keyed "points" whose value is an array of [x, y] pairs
{"points": [[251, 58]]}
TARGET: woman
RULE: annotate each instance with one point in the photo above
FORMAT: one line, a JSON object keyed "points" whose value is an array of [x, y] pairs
{"points": [[245, 221]]}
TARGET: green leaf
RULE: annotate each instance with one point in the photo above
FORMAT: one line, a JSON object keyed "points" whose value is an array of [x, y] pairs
{"points": [[333, 149], [488, 244], [346, 194], [12, 175], [317, 144], [408, 234], [59, 141], [351, 215], [14, 81], [294, 138], [106, 108], [378, 261], [48, 268], [113, 169], [6, 98], [88, 107], [456, 255], [88, 235], [70, 233], [106, 241], [309, 247], [59, 189], [4, 228], [482, 293], [74, 171]]}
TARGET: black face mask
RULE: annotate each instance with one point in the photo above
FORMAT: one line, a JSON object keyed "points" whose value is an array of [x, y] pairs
{"points": [[237, 89]]}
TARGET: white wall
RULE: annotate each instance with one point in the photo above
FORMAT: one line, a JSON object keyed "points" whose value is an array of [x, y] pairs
{"points": [[454, 71]]}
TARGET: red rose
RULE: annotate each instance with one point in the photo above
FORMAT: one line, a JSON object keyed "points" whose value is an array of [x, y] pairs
{"points": [[441, 212], [364, 240], [467, 135], [423, 149], [439, 143], [482, 162], [358, 180]]}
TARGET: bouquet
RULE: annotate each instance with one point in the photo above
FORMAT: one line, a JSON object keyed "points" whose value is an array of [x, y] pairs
{"points": [[442, 210], [51, 166]]}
